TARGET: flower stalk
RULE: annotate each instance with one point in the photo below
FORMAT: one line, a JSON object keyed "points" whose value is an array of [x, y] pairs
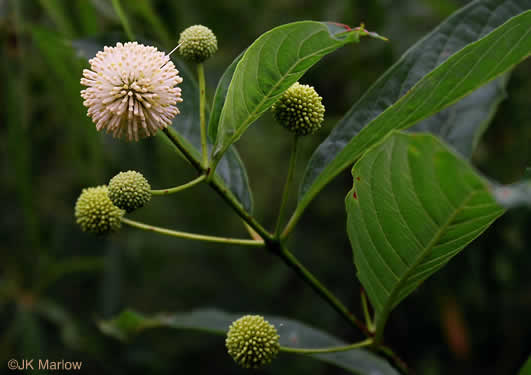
{"points": [[199, 45], [191, 236], [271, 244], [289, 179], [179, 188], [202, 102], [215, 184], [333, 349]]}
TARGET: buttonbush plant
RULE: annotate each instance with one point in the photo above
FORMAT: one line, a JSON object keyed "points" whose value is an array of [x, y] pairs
{"points": [[415, 200]]}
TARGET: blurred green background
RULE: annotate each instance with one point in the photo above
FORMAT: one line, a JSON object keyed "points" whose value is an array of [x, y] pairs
{"points": [[57, 282]]}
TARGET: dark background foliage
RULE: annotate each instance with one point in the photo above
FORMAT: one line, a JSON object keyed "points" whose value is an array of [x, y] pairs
{"points": [[57, 282]]}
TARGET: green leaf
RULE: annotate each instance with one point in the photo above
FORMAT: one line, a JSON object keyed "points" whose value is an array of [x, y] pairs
{"points": [[219, 97], [462, 124], [292, 334], [526, 369], [231, 171], [408, 92], [275, 61], [414, 205]]}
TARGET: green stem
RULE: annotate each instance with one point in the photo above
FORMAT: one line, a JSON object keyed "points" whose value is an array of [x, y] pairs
{"points": [[289, 179], [290, 225], [399, 362], [280, 250], [335, 349], [182, 149], [192, 236], [272, 244], [222, 190], [202, 101], [178, 188], [123, 19]]}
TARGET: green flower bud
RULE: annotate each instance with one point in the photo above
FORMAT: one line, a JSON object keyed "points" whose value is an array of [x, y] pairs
{"points": [[300, 109], [95, 212], [129, 190], [198, 43], [252, 341]]}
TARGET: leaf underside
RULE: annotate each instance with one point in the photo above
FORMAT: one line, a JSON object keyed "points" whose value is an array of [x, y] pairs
{"points": [[414, 205], [462, 124], [292, 334], [429, 77]]}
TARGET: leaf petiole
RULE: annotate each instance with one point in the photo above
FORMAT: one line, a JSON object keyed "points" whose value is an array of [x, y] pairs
{"points": [[289, 179], [365, 305]]}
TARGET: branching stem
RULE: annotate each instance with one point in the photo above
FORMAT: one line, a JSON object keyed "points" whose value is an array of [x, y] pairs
{"points": [[290, 225], [289, 179], [178, 188], [281, 250], [273, 245], [216, 184]]}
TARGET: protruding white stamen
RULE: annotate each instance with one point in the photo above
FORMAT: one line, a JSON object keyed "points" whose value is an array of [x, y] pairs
{"points": [[131, 90]]}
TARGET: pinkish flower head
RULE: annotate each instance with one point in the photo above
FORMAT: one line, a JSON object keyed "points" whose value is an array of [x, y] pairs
{"points": [[131, 90]]}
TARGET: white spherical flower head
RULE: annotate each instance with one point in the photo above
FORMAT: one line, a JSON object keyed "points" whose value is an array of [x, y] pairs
{"points": [[131, 90]]}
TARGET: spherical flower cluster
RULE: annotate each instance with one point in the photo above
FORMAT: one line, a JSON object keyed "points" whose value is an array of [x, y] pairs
{"points": [[131, 90], [95, 212], [129, 190], [300, 109], [252, 341], [197, 43]]}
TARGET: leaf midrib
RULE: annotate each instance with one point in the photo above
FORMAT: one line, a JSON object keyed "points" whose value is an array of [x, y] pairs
{"points": [[252, 114], [395, 290], [317, 185]]}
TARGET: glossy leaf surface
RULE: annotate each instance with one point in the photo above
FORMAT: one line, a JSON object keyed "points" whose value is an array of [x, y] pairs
{"points": [[276, 60]]}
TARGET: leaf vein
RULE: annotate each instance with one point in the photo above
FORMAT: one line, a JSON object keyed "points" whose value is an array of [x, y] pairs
{"points": [[396, 289]]}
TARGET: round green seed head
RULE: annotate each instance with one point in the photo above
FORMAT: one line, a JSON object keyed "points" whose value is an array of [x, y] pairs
{"points": [[129, 190], [95, 212], [198, 43], [300, 109], [252, 341]]}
